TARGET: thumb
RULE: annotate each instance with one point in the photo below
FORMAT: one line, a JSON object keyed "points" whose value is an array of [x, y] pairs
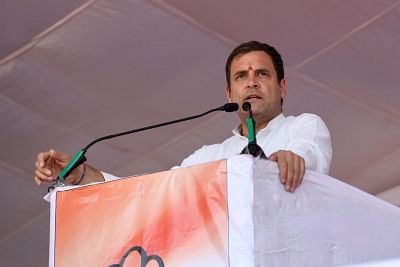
{"points": [[273, 157], [59, 158]]}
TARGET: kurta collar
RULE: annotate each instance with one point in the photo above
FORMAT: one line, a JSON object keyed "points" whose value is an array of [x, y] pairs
{"points": [[271, 125]]}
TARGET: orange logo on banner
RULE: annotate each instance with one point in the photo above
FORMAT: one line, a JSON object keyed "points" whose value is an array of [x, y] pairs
{"points": [[144, 259]]}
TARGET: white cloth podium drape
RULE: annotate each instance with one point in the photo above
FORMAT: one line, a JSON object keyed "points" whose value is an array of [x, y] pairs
{"points": [[323, 223]]}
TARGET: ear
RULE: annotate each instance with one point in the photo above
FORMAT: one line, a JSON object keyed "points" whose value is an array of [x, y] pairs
{"points": [[282, 86], [228, 94]]}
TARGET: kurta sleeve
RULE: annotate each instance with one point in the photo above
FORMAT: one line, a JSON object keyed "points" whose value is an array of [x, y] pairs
{"points": [[311, 140]]}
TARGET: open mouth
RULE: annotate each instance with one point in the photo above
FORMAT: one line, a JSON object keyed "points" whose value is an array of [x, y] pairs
{"points": [[252, 97]]}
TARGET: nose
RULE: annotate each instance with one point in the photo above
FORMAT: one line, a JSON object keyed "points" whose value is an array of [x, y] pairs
{"points": [[252, 81]]}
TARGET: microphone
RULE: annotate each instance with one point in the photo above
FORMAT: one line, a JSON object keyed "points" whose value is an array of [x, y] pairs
{"points": [[251, 124], [80, 157], [252, 148]]}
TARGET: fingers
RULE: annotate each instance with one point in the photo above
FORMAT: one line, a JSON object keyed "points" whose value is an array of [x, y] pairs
{"points": [[37, 180], [297, 174], [42, 158], [48, 164], [291, 168], [41, 177], [43, 167], [301, 171], [61, 160]]}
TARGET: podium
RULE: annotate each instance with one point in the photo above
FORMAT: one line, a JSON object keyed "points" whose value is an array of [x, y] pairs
{"points": [[231, 212]]}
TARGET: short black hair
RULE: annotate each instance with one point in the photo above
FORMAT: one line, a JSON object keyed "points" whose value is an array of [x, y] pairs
{"points": [[251, 46]]}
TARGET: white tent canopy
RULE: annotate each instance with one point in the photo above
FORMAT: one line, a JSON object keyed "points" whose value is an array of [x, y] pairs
{"points": [[74, 70]]}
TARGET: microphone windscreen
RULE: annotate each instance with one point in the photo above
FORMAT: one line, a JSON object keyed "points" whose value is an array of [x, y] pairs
{"points": [[246, 106], [231, 107]]}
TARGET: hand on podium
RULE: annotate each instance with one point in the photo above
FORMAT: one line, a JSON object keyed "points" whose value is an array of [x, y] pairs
{"points": [[291, 168]]}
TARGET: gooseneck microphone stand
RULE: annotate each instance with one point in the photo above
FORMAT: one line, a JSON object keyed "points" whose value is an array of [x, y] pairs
{"points": [[80, 157], [252, 148]]}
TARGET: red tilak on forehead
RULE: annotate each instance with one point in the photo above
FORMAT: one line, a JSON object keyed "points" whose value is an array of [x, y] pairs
{"points": [[250, 67]]}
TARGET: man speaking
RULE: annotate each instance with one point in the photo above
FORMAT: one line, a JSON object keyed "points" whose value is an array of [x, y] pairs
{"points": [[254, 74]]}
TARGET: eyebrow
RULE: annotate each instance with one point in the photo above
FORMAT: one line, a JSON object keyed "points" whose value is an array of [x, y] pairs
{"points": [[263, 70], [240, 72], [255, 70]]}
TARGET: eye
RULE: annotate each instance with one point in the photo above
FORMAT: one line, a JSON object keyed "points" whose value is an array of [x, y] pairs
{"points": [[240, 76], [263, 74]]}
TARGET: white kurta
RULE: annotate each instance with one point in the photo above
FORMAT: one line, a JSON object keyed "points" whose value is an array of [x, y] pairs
{"points": [[305, 135]]}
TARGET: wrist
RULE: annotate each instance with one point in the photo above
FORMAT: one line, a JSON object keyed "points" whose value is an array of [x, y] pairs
{"points": [[82, 175]]}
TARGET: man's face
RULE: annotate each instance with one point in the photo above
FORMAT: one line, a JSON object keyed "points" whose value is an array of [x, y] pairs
{"points": [[254, 79]]}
